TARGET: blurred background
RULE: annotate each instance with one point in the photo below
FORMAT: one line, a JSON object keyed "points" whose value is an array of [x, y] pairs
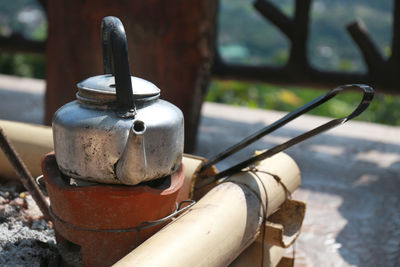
{"points": [[245, 37]]}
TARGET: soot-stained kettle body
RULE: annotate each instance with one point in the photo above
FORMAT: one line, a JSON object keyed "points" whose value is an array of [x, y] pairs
{"points": [[118, 130]]}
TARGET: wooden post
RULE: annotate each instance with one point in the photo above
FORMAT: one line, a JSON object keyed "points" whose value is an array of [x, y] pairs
{"points": [[171, 44]]}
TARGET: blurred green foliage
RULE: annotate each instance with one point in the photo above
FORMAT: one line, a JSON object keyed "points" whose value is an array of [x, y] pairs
{"points": [[27, 18], [330, 46], [26, 65], [383, 109]]}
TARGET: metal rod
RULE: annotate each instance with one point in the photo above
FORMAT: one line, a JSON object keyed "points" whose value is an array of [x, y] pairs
{"points": [[367, 97], [24, 175]]}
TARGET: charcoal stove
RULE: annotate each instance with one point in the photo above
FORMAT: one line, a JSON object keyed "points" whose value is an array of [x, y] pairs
{"points": [[97, 224]]}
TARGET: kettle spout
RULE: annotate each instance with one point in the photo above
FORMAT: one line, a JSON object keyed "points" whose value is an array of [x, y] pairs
{"points": [[131, 167]]}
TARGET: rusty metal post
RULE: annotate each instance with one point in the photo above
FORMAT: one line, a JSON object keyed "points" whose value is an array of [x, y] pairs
{"points": [[24, 174]]}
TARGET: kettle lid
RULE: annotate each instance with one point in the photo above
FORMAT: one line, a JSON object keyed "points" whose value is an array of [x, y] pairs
{"points": [[101, 90]]}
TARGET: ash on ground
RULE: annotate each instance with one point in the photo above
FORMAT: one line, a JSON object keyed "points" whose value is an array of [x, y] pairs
{"points": [[25, 238]]}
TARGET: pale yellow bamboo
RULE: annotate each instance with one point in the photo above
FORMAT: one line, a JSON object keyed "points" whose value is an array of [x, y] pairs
{"points": [[223, 223], [191, 165], [31, 142]]}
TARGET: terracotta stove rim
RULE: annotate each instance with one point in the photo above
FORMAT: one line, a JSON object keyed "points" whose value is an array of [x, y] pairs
{"points": [[175, 185]]}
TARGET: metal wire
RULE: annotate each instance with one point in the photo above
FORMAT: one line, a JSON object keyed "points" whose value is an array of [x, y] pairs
{"points": [[142, 225], [24, 174]]}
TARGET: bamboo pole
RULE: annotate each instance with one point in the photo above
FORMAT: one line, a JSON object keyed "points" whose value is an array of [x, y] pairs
{"points": [[31, 142], [224, 222], [192, 165]]}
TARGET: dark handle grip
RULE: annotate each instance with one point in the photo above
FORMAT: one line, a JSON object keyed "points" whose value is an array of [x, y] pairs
{"points": [[116, 62]]}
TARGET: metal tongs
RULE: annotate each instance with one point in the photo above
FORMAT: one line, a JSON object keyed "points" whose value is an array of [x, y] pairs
{"points": [[366, 100]]}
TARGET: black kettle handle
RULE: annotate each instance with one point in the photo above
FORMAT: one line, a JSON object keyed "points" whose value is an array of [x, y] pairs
{"points": [[116, 62]]}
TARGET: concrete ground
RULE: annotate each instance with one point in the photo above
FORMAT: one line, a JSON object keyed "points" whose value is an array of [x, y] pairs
{"points": [[351, 175]]}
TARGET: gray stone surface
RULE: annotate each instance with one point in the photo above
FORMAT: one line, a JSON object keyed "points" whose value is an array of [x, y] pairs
{"points": [[351, 175], [21, 99]]}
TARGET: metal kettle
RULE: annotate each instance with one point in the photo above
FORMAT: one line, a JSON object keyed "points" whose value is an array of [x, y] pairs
{"points": [[118, 130]]}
